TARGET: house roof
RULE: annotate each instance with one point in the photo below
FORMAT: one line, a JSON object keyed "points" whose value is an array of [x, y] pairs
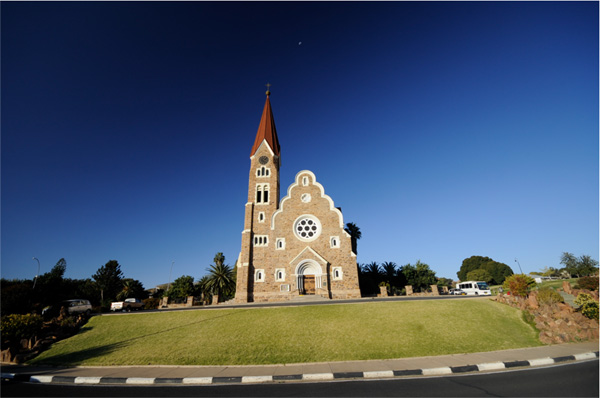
{"points": [[266, 130]]}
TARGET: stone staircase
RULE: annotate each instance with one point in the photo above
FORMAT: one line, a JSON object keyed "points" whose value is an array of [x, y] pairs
{"points": [[308, 298], [569, 298]]}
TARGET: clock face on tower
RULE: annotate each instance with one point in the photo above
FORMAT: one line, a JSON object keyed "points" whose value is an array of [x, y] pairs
{"points": [[263, 160]]}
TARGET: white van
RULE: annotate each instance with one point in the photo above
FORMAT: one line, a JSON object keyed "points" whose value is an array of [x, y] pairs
{"points": [[474, 288]]}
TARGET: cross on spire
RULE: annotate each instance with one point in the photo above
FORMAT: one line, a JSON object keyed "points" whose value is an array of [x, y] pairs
{"points": [[268, 85]]}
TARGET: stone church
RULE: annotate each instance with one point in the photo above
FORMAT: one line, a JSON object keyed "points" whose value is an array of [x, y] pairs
{"points": [[292, 246]]}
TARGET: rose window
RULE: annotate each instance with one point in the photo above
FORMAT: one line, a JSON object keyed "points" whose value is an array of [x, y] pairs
{"points": [[307, 228]]}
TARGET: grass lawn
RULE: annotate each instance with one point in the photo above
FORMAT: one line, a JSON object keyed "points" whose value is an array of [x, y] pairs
{"points": [[373, 330], [557, 283]]}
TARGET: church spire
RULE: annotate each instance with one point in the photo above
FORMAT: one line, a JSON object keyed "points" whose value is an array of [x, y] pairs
{"points": [[266, 129]]}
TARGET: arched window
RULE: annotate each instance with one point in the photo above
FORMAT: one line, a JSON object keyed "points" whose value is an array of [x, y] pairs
{"points": [[262, 193], [280, 244], [261, 240], [337, 273], [263, 172], [259, 275], [280, 275]]}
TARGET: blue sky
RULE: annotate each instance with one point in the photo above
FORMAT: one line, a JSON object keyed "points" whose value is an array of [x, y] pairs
{"points": [[443, 130]]}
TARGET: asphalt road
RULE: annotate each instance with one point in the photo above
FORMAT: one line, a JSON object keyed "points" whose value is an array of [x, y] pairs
{"points": [[569, 380]]}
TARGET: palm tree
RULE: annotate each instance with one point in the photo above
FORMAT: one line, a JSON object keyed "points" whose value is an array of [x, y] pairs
{"points": [[374, 270], [203, 289], [127, 290], [354, 233], [221, 281], [389, 269]]}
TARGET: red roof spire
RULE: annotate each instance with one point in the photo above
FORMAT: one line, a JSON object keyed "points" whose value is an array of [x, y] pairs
{"points": [[266, 129]]}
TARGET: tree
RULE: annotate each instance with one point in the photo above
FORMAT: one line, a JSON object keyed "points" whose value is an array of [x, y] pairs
{"points": [[59, 269], [203, 289], [389, 271], [108, 278], [355, 235], [582, 266], [15, 296], [373, 269], [471, 264], [570, 262], [221, 280], [445, 282], [50, 285], [586, 266], [498, 271], [181, 287], [480, 275], [368, 278], [132, 289], [419, 276]]}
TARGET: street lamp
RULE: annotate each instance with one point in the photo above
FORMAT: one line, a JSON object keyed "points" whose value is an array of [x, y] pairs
{"points": [[38, 272], [517, 261], [170, 272]]}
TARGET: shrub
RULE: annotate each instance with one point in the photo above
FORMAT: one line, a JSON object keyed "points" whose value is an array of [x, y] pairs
{"points": [[151, 303], [68, 322], [588, 283], [590, 310], [519, 284], [529, 319], [548, 296], [587, 305], [15, 327]]}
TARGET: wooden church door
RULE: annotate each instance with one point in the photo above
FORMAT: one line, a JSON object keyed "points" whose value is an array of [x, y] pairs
{"points": [[309, 284]]}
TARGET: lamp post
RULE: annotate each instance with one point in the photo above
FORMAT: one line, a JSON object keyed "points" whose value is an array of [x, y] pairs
{"points": [[170, 272], [517, 261], [38, 272]]}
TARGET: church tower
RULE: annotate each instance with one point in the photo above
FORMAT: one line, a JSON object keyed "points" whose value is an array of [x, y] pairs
{"points": [[263, 201]]}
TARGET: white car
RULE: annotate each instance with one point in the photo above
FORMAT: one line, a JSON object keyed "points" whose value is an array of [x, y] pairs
{"points": [[127, 305], [75, 306]]}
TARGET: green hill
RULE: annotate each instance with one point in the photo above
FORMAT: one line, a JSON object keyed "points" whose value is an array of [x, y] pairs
{"points": [[372, 330]]}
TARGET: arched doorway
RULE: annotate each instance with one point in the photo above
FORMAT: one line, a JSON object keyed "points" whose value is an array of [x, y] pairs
{"points": [[308, 277]]}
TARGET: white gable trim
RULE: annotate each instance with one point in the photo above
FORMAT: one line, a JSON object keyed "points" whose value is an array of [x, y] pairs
{"points": [[309, 249], [296, 183], [264, 142]]}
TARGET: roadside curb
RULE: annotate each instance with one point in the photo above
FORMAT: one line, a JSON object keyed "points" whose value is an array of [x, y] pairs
{"points": [[439, 371]]}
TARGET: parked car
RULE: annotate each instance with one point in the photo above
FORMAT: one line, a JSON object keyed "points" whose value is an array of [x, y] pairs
{"points": [[127, 305], [75, 306], [457, 292]]}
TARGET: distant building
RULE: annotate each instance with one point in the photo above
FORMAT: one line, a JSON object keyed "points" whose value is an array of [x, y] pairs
{"points": [[154, 290], [296, 246]]}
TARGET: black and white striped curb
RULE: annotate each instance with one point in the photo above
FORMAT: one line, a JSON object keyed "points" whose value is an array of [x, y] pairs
{"points": [[447, 370]]}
